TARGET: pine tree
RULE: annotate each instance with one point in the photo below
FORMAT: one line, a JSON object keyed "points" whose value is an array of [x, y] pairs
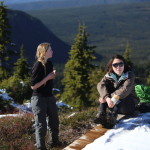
{"points": [[126, 55], [148, 80], [76, 73], [18, 85], [95, 77], [4, 42], [21, 67]]}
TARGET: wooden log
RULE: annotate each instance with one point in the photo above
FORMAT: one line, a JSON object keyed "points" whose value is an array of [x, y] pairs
{"points": [[89, 137]]}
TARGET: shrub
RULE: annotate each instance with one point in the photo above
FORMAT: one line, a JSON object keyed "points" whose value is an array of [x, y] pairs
{"points": [[80, 119], [16, 133], [19, 90], [5, 101]]}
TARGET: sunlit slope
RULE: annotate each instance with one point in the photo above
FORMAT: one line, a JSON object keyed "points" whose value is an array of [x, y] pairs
{"points": [[110, 27]]}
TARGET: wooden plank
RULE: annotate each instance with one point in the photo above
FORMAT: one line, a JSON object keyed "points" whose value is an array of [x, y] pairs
{"points": [[89, 137]]}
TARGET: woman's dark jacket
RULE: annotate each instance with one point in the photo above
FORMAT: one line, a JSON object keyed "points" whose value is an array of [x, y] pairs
{"points": [[123, 87], [39, 73]]}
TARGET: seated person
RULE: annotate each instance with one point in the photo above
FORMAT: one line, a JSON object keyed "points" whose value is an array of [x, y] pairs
{"points": [[116, 91]]}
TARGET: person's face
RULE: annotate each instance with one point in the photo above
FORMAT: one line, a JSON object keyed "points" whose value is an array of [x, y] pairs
{"points": [[118, 66], [49, 53]]}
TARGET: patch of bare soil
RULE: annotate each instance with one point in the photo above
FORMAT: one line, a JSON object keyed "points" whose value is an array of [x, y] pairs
{"points": [[67, 136]]}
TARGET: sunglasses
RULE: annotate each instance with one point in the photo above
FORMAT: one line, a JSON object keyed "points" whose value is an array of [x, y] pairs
{"points": [[118, 64]]}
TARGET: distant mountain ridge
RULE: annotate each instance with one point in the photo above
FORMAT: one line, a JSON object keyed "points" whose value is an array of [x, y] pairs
{"points": [[55, 4], [110, 27], [30, 32]]}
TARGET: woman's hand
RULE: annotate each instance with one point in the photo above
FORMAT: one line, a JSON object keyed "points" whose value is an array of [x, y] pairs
{"points": [[109, 102], [101, 100], [51, 75]]}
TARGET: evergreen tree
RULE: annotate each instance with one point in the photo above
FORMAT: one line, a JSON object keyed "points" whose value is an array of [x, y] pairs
{"points": [[21, 68], [76, 73], [147, 72], [126, 55], [148, 80], [4, 42], [18, 85], [94, 78], [17, 89]]}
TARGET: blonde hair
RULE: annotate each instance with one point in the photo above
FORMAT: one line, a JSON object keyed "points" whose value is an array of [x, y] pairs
{"points": [[41, 51]]}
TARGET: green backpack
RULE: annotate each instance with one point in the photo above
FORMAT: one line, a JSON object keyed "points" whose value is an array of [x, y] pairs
{"points": [[143, 92]]}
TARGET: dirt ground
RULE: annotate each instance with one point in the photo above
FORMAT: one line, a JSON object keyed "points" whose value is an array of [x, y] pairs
{"points": [[67, 136]]}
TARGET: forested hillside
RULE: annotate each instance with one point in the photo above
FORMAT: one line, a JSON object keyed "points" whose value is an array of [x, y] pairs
{"points": [[30, 32], [111, 27]]}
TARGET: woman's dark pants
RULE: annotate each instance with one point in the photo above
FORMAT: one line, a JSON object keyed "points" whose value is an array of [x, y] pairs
{"points": [[126, 107], [45, 107]]}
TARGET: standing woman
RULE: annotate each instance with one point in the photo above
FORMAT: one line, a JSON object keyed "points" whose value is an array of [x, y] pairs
{"points": [[116, 91], [42, 101]]}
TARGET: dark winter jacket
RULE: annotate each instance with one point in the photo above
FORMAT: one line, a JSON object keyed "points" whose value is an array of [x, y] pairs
{"points": [[123, 87], [38, 73]]}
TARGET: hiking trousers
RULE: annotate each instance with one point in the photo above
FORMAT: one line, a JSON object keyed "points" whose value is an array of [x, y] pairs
{"points": [[45, 113]]}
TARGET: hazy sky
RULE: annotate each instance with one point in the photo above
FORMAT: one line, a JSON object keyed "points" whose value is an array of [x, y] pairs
{"points": [[22, 1]]}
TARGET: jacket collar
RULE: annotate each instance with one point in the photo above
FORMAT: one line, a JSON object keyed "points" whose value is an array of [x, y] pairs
{"points": [[114, 77]]}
